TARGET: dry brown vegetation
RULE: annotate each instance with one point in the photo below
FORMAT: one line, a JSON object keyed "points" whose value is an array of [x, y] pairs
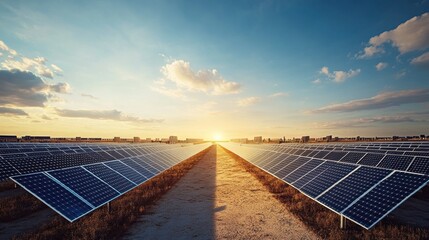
{"points": [[14, 207], [6, 185], [324, 222], [125, 210]]}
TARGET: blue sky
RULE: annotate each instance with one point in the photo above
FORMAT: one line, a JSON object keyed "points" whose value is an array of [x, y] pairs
{"points": [[205, 68]]}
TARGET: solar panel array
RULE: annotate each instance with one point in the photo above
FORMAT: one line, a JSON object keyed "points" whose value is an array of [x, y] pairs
{"points": [[24, 158], [363, 182], [73, 187]]}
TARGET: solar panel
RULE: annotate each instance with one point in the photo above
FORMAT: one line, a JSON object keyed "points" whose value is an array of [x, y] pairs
{"points": [[345, 192], [126, 171], [396, 162], [371, 159], [86, 185], [7, 170], [352, 157], [307, 177], [54, 195], [336, 156], [114, 179], [382, 199], [420, 165], [297, 171], [139, 168], [326, 179]]}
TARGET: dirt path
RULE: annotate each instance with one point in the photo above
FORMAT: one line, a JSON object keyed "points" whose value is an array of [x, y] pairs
{"points": [[218, 199]]}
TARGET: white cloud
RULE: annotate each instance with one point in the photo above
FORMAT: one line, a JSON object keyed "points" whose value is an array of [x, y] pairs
{"points": [[422, 59], [381, 65], [339, 76], [317, 81], [408, 36], [4, 47], [382, 100], [114, 115], [56, 68], [209, 81], [28, 64], [279, 94], [248, 101]]}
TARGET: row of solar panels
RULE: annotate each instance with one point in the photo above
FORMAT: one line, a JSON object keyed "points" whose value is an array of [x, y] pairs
{"points": [[423, 151], [416, 164], [76, 191], [16, 164], [52, 149], [362, 194]]}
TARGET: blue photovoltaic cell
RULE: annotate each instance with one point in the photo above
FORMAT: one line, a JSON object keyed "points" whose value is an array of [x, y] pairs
{"points": [[371, 159], [352, 157], [420, 165], [85, 185], [312, 174], [54, 195], [144, 162], [336, 156], [143, 171], [321, 154], [280, 163], [271, 162], [378, 202], [326, 179], [396, 162], [111, 177], [126, 171], [302, 169], [6, 170], [290, 162], [352, 187]]}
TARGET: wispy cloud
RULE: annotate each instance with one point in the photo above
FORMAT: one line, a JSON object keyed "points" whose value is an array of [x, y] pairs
{"points": [[408, 36], [366, 122], [317, 81], [382, 100], [12, 111], [422, 60], [339, 76], [245, 102], [208, 81], [9, 50], [279, 94], [88, 96], [381, 65], [114, 115]]}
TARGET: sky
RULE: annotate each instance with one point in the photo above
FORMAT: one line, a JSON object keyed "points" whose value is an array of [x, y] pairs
{"points": [[214, 69]]}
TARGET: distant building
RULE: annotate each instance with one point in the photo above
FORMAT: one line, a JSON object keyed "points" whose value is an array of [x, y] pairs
{"points": [[194, 140], [8, 138], [36, 138], [329, 138], [78, 139], [257, 139], [136, 139], [305, 139], [148, 139], [117, 139], [173, 140]]}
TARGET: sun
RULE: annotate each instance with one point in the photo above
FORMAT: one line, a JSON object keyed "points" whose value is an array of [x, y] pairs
{"points": [[217, 137]]}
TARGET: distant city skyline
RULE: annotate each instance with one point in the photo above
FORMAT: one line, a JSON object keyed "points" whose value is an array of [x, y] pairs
{"points": [[214, 70]]}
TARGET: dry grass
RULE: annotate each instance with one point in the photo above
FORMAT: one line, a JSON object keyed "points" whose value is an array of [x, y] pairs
{"points": [[15, 207], [321, 220], [125, 210], [6, 185]]}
